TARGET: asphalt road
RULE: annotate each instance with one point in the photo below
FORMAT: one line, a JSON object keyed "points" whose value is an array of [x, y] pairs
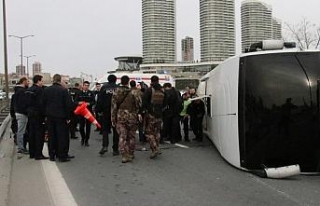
{"points": [[180, 176]]}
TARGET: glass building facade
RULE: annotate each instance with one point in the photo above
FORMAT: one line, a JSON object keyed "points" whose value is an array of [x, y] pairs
{"points": [[217, 29], [257, 23], [158, 31]]}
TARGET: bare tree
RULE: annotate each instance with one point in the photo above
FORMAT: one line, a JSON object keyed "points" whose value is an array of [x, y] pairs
{"points": [[318, 37], [306, 34]]}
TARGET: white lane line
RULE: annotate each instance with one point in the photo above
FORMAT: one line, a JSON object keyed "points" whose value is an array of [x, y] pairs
{"points": [[181, 145], [60, 193], [281, 193], [178, 145]]}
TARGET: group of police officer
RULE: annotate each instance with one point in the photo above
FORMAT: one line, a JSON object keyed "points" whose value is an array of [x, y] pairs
{"points": [[122, 109], [119, 108], [37, 109]]}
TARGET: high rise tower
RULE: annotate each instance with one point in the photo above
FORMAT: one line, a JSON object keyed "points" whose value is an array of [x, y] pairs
{"points": [[217, 29], [36, 68], [256, 22], [276, 29], [158, 31], [21, 70], [187, 50]]}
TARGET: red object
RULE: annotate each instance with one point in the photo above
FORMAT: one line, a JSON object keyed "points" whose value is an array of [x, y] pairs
{"points": [[83, 111]]}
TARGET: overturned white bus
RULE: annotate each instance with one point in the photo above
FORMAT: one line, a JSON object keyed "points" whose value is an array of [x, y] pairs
{"points": [[263, 109]]}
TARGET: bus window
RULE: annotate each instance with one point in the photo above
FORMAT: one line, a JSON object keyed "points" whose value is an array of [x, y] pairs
{"points": [[208, 105]]}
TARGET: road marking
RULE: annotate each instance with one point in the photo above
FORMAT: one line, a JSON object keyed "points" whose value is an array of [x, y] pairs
{"points": [[181, 145], [178, 145], [287, 196], [60, 193]]}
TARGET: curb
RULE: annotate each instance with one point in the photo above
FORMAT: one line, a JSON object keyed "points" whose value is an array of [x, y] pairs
{"points": [[6, 158]]}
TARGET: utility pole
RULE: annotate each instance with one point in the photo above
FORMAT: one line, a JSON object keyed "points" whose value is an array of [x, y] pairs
{"points": [[21, 45], [5, 49], [27, 57]]}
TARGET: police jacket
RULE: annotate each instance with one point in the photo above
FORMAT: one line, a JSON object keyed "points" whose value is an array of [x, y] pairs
{"points": [[173, 103], [86, 96], [12, 112], [20, 100], [196, 109], [74, 92], [57, 101], [105, 97], [34, 95]]}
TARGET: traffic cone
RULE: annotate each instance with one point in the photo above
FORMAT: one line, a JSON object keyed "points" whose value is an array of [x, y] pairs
{"points": [[83, 111]]}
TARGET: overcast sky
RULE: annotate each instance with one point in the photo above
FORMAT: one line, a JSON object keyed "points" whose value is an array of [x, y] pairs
{"points": [[73, 36]]}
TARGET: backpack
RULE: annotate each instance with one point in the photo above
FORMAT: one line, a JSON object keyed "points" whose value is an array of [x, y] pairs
{"points": [[157, 98]]}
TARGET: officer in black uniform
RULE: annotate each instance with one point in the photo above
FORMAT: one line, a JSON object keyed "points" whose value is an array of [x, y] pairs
{"points": [[171, 115], [85, 96], [57, 103], [96, 93], [104, 107], [74, 118], [36, 118]]}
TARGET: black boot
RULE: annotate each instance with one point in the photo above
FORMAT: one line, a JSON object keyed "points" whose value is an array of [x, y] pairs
{"points": [[86, 143]]}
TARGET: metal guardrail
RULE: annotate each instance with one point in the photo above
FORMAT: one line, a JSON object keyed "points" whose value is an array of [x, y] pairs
{"points": [[4, 116], [4, 104], [4, 126]]}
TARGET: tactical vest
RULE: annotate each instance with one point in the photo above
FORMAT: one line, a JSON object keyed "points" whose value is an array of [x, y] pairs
{"points": [[157, 98], [126, 101]]}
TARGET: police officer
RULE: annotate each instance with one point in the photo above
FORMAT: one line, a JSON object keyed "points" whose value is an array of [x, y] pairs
{"points": [[196, 110], [103, 107], [96, 94], [153, 120], [173, 106], [193, 94], [36, 118], [126, 104], [184, 116], [57, 103], [74, 118], [85, 96], [137, 89], [20, 108]]}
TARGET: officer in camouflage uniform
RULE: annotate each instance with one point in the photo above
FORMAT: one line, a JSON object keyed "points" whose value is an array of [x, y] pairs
{"points": [[126, 104], [153, 121], [134, 88]]}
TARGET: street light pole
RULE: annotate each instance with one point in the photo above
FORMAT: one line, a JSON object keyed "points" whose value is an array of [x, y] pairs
{"points": [[27, 57], [5, 48], [21, 45]]}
